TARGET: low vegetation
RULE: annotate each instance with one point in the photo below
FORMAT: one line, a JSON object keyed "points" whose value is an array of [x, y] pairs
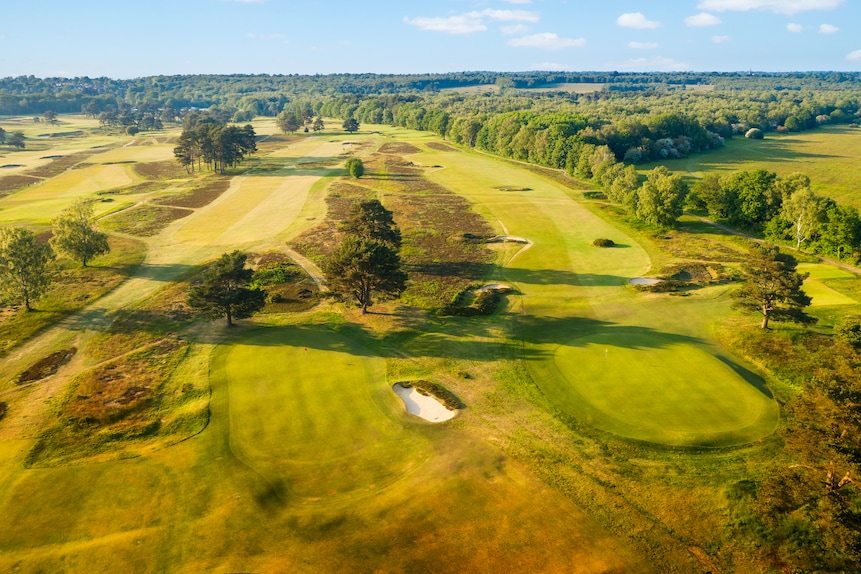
{"points": [[434, 390]]}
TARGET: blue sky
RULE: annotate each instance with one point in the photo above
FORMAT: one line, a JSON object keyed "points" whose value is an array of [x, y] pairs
{"points": [[125, 40]]}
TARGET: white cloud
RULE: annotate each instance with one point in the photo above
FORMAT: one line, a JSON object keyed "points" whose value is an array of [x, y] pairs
{"points": [[465, 24], [794, 28], [636, 20], [702, 20], [515, 29], [470, 22], [656, 64], [854, 56], [721, 39], [788, 7], [643, 45], [549, 67], [511, 15], [828, 29], [546, 41]]}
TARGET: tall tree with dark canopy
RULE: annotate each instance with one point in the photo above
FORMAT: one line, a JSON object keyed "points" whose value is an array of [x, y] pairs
{"points": [[370, 220], [75, 233], [351, 125], [361, 268], [225, 291], [773, 287], [23, 265]]}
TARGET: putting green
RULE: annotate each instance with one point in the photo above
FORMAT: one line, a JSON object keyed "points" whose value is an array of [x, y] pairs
{"points": [[673, 393], [322, 415]]}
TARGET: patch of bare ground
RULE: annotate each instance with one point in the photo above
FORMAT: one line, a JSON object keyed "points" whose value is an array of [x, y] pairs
{"points": [[145, 220], [166, 169], [199, 196], [398, 148], [45, 367], [441, 146]]}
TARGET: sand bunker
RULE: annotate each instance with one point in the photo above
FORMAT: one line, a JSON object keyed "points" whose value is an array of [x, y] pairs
{"points": [[644, 281], [51, 157], [507, 239], [11, 166], [501, 287], [423, 406]]}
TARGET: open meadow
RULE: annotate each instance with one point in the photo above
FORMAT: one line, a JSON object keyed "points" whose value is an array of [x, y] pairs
{"points": [[603, 428]]}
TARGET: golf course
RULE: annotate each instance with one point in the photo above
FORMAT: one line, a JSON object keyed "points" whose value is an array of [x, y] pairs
{"points": [[601, 427]]}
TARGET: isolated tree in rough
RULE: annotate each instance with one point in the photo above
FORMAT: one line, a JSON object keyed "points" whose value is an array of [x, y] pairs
{"points": [[351, 125], [318, 124], [24, 262], [225, 292], [16, 140], [288, 121], [370, 220], [75, 233], [355, 167], [2, 136], [362, 268], [773, 287]]}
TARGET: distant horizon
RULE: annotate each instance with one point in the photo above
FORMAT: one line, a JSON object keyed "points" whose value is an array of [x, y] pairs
{"points": [[94, 38]]}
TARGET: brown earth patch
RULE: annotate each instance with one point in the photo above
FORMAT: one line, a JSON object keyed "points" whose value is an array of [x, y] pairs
{"points": [[59, 165], [145, 220], [199, 196], [45, 367], [167, 169], [441, 146], [397, 148], [11, 183]]}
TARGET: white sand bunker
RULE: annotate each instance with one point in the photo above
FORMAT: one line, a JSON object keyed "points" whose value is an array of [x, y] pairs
{"points": [[501, 287], [507, 239], [644, 281], [421, 405]]}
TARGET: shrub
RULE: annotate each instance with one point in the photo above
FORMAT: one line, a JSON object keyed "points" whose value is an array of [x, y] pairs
{"points": [[602, 242], [132, 130], [849, 331], [484, 304], [754, 134]]}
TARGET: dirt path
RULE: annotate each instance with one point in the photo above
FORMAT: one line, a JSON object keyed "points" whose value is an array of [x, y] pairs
{"points": [[310, 268]]}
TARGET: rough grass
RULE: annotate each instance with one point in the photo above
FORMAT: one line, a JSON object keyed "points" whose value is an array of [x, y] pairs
{"points": [[166, 169], [45, 367], [199, 196], [73, 288], [144, 220]]}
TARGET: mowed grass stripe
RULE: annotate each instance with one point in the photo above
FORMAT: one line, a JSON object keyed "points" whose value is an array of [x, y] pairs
{"points": [[324, 416]]}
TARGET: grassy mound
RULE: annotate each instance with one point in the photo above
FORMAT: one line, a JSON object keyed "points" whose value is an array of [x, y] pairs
{"points": [[435, 390]]}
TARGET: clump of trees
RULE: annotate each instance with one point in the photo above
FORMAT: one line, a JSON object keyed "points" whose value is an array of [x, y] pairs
{"points": [[225, 290], [206, 140], [13, 139], [366, 264]]}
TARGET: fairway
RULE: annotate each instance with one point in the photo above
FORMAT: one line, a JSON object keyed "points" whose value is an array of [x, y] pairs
{"points": [[321, 414], [634, 385]]}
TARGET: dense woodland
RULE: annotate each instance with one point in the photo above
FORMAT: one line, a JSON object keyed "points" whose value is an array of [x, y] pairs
{"points": [[793, 521]]}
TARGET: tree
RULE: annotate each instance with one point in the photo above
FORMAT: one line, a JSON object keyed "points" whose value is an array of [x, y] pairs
{"points": [[355, 167], [351, 125], [660, 198], [50, 117], [2, 136], [804, 211], [23, 265], [75, 233], [362, 268], [225, 290], [372, 221], [773, 287], [318, 124], [16, 140], [287, 121]]}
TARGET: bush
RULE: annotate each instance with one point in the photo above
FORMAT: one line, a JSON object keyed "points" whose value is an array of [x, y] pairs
{"points": [[602, 242], [754, 134], [132, 130], [485, 304], [849, 331]]}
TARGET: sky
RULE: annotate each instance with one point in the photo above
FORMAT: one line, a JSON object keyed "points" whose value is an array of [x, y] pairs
{"points": [[122, 39]]}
